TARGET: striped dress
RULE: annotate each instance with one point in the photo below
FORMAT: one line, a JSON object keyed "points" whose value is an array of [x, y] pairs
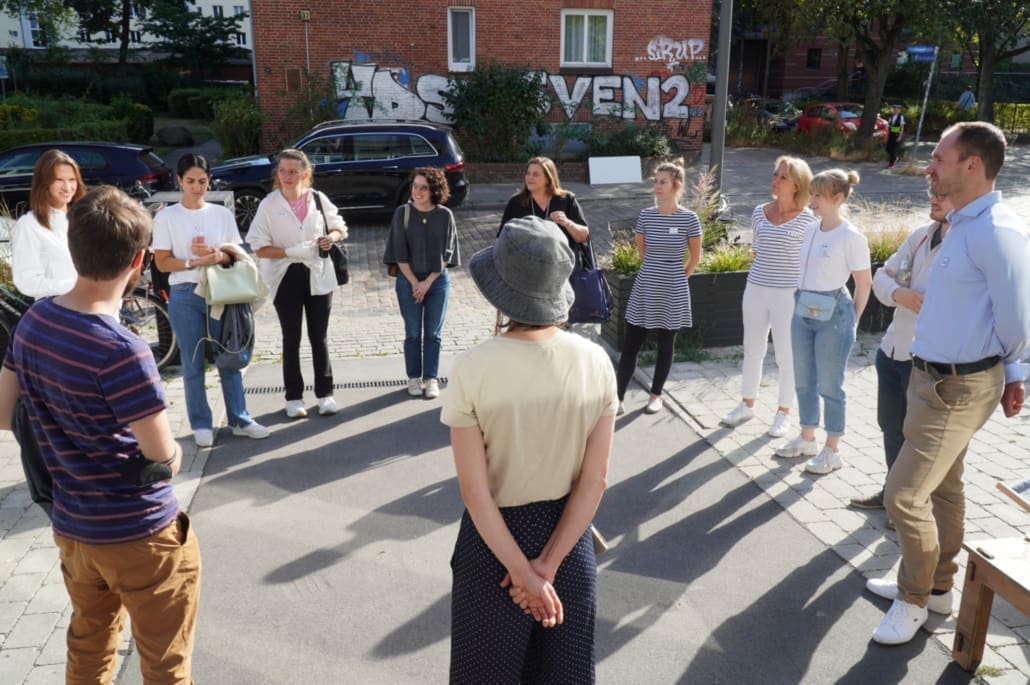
{"points": [[777, 249], [660, 297]]}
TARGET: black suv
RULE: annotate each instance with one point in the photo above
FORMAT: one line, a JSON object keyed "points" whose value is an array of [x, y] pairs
{"points": [[361, 166]]}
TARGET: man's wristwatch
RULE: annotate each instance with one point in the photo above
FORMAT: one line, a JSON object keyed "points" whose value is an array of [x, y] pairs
{"points": [[188, 267]]}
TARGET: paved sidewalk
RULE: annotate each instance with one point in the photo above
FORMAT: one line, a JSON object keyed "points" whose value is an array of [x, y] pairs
{"points": [[366, 324]]}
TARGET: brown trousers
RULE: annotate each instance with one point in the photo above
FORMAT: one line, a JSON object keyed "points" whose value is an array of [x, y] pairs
{"points": [[924, 494], [157, 580]]}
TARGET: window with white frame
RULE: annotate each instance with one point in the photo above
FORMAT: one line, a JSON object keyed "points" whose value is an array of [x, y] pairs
{"points": [[217, 10], [241, 39], [461, 38], [586, 38], [135, 36], [84, 36], [37, 32], [237, 10]]}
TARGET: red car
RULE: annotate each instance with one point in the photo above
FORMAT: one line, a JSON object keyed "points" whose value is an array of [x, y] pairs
{"points": [[844, 117]]}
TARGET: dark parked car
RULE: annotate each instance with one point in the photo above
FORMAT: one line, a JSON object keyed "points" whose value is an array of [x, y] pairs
{"points": [[843, 117], [361, 166], [117, 164], [778, 115]]}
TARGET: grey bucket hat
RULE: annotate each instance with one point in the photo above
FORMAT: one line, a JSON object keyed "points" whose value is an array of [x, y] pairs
{"points": [[525, 273]]}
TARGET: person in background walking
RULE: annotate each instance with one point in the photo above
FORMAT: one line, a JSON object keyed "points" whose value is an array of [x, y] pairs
{"points": [[98, 409], [822, 335], [40, 262], [895, 129], [900, 283], [531, 413], [542, 196], [967, 101], [292, 229], [186, 237], [972, 332], [777, 230], [668, 239], [423, 244]]}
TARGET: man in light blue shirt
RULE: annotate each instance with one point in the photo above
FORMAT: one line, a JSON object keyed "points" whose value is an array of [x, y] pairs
{"points": [[972, 332]]}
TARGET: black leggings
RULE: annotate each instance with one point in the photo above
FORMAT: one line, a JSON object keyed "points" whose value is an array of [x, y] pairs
{"points": [[631, 344], [292, 301]]}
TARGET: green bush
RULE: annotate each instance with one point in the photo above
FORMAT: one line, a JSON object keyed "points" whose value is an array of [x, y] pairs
{"points": [[237, 125], [646, 141], [64, 81], [1012, 117], [179, 101], [494, 107], [139, 119], [113, 131], [130, 85], [196, 103], [726, 258]]}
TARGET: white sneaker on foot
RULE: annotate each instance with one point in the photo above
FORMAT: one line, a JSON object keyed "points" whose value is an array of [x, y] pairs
{"points": [[654, 405], [739, 415], [251, 430], [621, 410], [432, 389], [295, 409], [827, 461], [888, 589], [797, 447], [780, 425], [326, 406], [204, 437], [902, 622], [415, 387]]}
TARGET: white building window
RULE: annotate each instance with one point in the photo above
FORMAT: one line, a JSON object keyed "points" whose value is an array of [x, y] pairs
{"points": [[135, 36], [237, 10], [37, 33], [217, 10], [84, 36], [586, 38], [461, 38], [108, 37], [241, 39]]}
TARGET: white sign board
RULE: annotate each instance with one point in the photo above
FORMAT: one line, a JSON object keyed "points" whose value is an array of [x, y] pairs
{"points": [[615, 170]]}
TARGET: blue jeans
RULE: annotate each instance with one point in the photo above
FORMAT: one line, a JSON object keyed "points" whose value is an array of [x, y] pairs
{"points": [[423, 325], [821, 350], [891, 402], [188, 314]]}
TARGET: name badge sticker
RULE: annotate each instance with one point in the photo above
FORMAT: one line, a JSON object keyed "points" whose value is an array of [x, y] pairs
{"points": [[943, 262]]}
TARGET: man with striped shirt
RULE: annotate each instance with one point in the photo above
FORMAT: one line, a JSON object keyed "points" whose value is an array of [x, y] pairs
{"points": [[97, 409]]}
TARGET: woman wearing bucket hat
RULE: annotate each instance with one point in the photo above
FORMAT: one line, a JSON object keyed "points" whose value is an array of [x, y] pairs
{"points": [[531, 412]]}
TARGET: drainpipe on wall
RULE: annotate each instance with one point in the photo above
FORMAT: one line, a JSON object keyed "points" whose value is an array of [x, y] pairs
{"points": [[722, 81]]}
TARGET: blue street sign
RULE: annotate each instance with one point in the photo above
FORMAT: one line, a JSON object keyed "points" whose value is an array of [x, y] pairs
{"points": [[922, 58], [920, 50], [3, 67]]}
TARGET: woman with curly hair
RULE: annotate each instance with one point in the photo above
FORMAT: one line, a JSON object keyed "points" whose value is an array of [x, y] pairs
{"points": [[423, 243]]}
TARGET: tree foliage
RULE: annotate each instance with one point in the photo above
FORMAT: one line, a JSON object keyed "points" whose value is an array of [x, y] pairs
{"points": [[191, 39], [114, 16], [53, 15]]}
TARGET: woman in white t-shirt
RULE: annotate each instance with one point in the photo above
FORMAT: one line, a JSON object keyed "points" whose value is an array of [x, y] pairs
{"points": [[40, 262], [823, 327], [531, 411], [186, 237]]}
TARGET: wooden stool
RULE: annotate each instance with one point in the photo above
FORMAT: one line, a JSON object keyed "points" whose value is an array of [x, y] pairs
{"points": [[995, 566]]}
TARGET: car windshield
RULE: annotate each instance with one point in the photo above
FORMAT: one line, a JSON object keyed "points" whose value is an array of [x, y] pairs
{"points": [[850, 111]]}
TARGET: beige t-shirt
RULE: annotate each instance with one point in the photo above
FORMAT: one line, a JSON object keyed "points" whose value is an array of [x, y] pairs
{"points": [[536, 403]]}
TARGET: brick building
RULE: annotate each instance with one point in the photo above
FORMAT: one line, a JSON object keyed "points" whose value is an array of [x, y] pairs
{"points": [[632, 60]]}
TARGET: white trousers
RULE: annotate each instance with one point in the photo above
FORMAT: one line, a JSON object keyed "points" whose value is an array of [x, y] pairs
{"points": [[766, 308]]}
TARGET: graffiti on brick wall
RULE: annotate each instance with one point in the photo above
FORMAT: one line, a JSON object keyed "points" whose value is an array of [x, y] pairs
{"points": [[367, 91], [665, 49]]}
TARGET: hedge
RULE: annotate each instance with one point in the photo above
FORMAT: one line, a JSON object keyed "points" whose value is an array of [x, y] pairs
{"points": [[90, 130]]}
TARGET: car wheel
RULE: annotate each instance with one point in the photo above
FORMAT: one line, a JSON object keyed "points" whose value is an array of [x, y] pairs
{"points": [[247, 201]]}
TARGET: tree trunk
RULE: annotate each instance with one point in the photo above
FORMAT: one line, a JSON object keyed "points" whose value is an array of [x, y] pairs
{"points": [[877, 64], [842, 71], [123, 48], [985, 87]]}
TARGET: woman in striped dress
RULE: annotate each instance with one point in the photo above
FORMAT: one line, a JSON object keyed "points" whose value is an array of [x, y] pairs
{"points": [[777, 229], [660, 299]]}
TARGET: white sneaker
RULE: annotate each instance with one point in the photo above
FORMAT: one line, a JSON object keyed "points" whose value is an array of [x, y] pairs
{"points": [[827, 461], [780, 425], [326, 406], [621, 410], [902, 622], [415, 387], [888, 589], [204, 437], [654, 405], [797, 447], [251, 430], [740, 414], [432, 389], [295, 409]]}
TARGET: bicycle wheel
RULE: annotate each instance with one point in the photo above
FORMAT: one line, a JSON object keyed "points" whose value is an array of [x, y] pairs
{"points": [[6, 331], [146, 315]]}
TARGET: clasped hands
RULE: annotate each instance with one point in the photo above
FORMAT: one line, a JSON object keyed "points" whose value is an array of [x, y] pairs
{"points": [[204, 254], [535, 594]]}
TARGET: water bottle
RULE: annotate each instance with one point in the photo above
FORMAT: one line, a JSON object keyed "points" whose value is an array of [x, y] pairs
{"points": [[903, 277]]}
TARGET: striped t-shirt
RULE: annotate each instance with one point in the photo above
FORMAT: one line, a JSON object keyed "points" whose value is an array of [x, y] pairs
{"points": [[777, 249], [86, 378]]}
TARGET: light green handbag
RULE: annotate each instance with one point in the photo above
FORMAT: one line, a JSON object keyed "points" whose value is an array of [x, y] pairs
{"points": [[236, 283]]}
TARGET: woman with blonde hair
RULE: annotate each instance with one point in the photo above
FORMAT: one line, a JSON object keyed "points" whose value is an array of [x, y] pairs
{"points": [[542, 196], [825, 317], [668, 238], [777, 230], [291, 233], [41, 264]]}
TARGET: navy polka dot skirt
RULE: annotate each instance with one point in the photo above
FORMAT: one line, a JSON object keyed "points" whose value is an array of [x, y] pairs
{"points": [[492, 640]]}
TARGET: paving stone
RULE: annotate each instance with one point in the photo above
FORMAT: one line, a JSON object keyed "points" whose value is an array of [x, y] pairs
{"points": [[15, 664], [31, 630], [46, 674]]}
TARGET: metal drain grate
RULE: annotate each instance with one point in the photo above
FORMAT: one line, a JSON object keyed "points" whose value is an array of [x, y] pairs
{"points": [[353, 385]]}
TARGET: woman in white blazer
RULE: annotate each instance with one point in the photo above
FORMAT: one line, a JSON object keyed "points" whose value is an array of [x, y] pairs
{"points": [[291, 235]]}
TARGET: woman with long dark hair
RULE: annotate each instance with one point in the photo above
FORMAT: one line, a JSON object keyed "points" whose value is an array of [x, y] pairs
{"points": [[40, 262], [543, 196]]}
